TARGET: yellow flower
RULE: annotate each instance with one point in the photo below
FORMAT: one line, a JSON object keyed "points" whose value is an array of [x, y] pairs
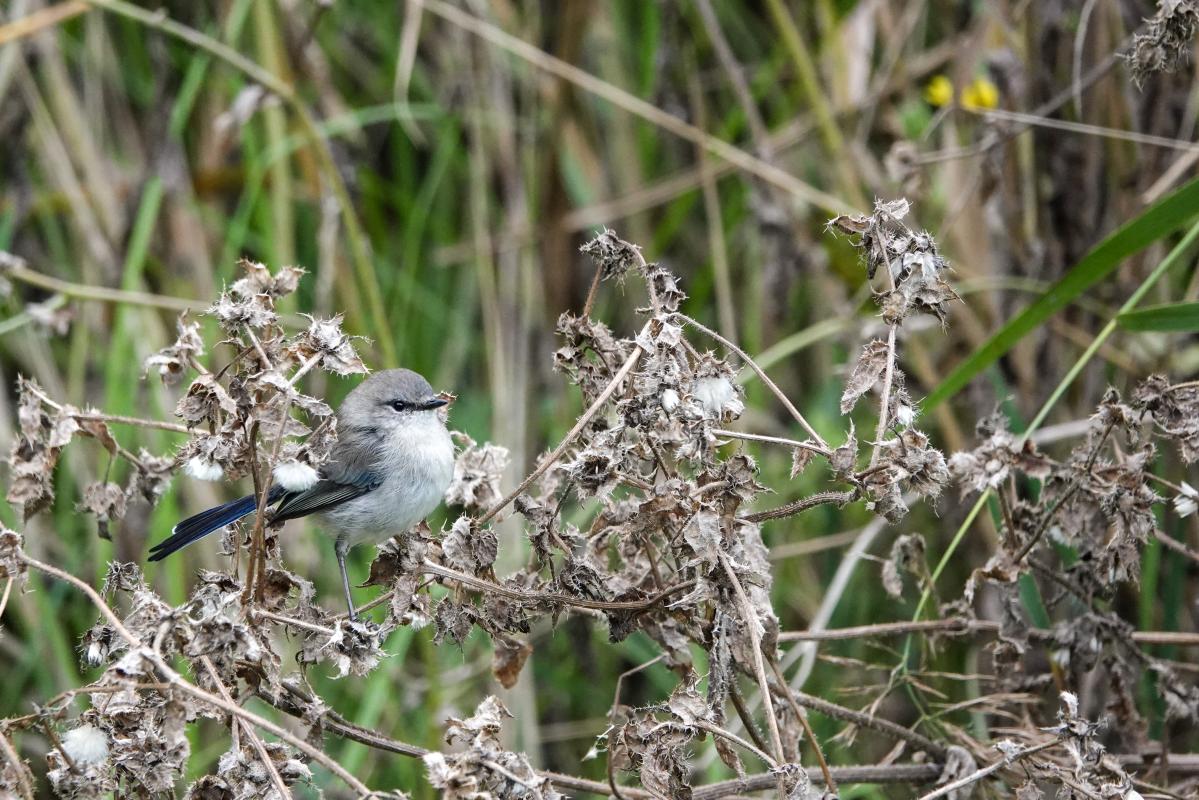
{"points": [[980, 94], [939, 91]]}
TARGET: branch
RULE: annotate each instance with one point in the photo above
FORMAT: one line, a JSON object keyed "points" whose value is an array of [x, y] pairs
{"points": [[978, 775], [803, 504], [883, 726], [751, 623], [961, 625], [716, 730], [892, 773], [255, 740]]}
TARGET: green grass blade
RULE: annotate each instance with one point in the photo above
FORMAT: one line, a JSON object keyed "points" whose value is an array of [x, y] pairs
{"points": [[1174, 317], [1163, 218]]}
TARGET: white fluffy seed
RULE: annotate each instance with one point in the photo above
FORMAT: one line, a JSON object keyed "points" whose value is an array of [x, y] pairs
{"points": [[203, 470], [716, 395], [86, 744]]}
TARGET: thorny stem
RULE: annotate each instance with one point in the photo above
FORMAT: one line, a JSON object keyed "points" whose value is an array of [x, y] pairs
{"points": [[113, 418], [950, 789], [582, 422], [757, 437], [259, 747], [750, 620], [592, 290], [48, 729], [803, 721], [863, 720], [177, 681], [716, 730], [761, 373], [803, 504], [743, 712]]}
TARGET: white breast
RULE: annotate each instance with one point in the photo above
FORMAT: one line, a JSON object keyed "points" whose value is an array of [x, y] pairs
{"points": [[417, 470]]}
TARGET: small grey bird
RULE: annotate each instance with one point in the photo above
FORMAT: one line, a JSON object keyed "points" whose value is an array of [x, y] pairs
{"points": [[390, 467]]}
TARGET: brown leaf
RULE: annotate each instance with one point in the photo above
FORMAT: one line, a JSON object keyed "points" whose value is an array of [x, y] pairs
{"points": [[509, 659], [870, 366]]}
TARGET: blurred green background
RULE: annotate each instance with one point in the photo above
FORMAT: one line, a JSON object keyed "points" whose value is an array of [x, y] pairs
{"points": [[457, 166]]}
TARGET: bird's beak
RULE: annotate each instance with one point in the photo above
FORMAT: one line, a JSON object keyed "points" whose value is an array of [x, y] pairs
{"points": [[434, 402]]}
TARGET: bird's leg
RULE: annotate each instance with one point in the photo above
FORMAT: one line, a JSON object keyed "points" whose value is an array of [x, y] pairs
{"points": [[341, 547]]}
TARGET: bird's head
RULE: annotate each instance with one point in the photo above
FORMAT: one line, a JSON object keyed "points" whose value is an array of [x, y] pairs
{"points": [[392, 399]]}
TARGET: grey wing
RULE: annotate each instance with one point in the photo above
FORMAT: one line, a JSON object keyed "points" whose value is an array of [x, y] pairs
{"points": [[350, 473], [323, 495]]}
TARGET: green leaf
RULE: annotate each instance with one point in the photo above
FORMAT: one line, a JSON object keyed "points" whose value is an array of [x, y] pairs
{"points": [[1159, 220], [1168, 317]]}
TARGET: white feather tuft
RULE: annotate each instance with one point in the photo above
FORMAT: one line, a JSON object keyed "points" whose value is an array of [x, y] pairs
{"points": [[295, 476]]}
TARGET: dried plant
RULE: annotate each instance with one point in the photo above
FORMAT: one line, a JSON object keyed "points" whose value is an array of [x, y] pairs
{"points": [[640, 518]]}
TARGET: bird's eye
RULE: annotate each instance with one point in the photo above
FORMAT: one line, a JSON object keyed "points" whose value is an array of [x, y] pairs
{"points": [[400, 405]]}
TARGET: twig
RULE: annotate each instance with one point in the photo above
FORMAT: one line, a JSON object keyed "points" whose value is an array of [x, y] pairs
{"points": [[99, 417], [716, 730], [762, 376], [582, 422], [861, 719], [292, 621], [81, 291], [1075, 485], [612, 717], [803, 504], [40, 20], [961, 625], [263, 755], [891, 773], [829, 781], [757, 437], [978, 775], [956, 624], [1173, 544], [751, 622], [746, 716]]}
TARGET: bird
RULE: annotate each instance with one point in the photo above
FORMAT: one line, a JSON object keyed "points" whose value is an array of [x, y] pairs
{"points": [[389, 469]]}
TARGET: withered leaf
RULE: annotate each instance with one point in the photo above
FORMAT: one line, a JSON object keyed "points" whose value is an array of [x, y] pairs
{"points": [[867, 371]]}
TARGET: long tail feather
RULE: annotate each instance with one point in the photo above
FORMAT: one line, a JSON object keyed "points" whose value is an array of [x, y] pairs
{"points": [[197, 527]]}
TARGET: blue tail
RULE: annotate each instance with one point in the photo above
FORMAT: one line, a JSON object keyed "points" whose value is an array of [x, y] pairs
{"points": [[197, 527]]}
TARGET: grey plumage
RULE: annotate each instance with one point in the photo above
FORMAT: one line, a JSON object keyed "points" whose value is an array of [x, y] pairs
{"points": [[389, 469]]}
